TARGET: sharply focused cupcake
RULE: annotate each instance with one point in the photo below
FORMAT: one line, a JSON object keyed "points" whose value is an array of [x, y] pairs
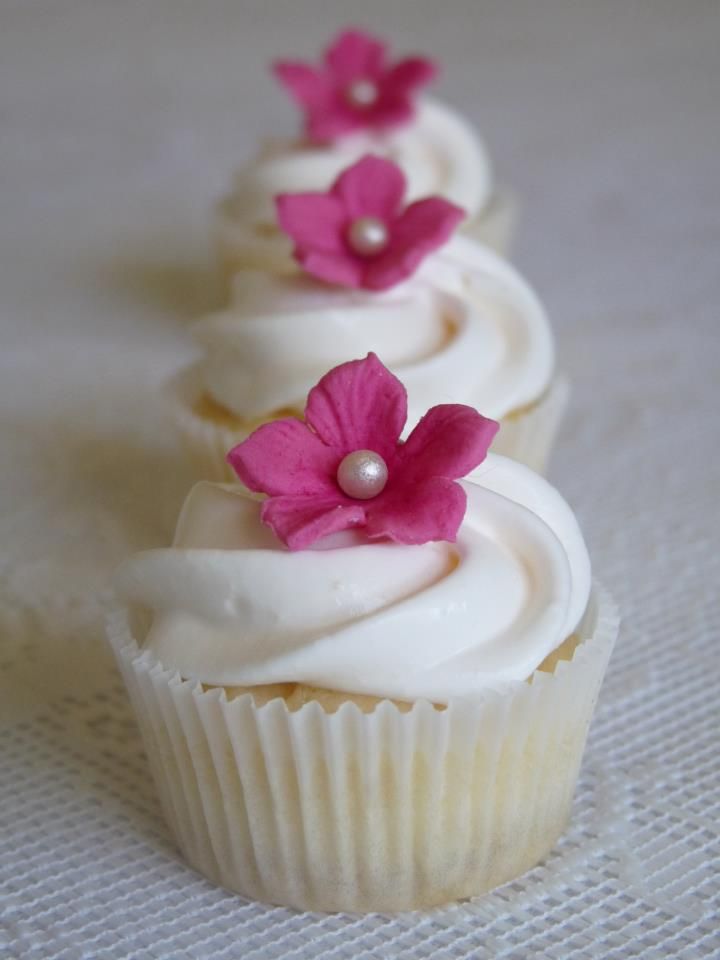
{"points": [[358, 101], [372, 272], [370, 690]]}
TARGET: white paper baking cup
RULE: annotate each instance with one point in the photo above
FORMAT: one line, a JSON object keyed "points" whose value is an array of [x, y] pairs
{"points": [[243, 246], [527, 436], [206, 441], [357, 811]]}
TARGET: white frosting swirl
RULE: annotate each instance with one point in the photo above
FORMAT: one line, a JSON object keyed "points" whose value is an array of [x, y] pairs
{"points": [[233, 607], [438, 151], [466, 328]]}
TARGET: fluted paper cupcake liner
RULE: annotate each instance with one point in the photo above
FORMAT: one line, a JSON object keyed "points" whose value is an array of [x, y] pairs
{"points": [[240, 246], [205, 439], [356, 811], [527, 435]]}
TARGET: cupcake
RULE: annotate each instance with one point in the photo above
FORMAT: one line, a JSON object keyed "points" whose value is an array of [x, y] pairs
{"points": [[356, 102], [449, 316], [371, 689]]}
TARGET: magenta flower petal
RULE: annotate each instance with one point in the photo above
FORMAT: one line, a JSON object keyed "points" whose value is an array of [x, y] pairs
{"points": [[284, 457], [387, 272], [300, 521], [410, 74], [307, 85], [392, 112], [334, 106], [326, 126], [359, 405], [372, 187], [314, 220], [355, 55], [431, 221], [432, 509], [423, 227], [449, 441], [338, 269]]}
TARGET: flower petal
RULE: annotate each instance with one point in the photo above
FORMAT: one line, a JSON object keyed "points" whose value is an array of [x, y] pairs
{"points": [[308, 86], [315, 221], [423, 227], [409, 74], [286, 457], [390, 112], [300, 521], [359, 405], [449, 441], [332, 121], [430, 221], [340, 269], [372, 187], [355, 54], [433, 219], [430, 510]]}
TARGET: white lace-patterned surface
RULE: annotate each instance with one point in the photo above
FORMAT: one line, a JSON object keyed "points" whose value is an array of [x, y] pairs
{"points": [[120, 124]]}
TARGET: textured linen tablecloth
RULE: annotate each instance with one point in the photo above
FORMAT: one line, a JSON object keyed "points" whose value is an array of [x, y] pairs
{"points": [[119, 125]]}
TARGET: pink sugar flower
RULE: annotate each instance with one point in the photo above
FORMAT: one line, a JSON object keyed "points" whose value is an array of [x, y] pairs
{"points": [[358, 234], [354, 88], [346, 467]]}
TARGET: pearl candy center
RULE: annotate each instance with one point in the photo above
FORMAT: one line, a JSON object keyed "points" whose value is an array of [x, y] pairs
{"points": [[362, 474], [362, 93], [368, 236]]}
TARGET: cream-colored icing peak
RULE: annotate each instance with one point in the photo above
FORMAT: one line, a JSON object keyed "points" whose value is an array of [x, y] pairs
{"points": [[232, 606], [465, 328], [438, 151]]}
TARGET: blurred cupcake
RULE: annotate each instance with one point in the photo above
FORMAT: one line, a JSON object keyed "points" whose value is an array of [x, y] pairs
{"points": [[449, 316], [357, 101], [370, 690]]}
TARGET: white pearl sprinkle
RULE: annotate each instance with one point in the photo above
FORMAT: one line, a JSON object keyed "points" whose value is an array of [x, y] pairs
{"points": [[362, 93], [368, 236], [362, 474]]}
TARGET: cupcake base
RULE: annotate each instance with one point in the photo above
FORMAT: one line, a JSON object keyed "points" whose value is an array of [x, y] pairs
{"points": [[240, 246], [386, 810], [209, 431]]}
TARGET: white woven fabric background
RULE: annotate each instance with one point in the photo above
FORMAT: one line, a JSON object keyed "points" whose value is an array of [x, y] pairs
{"points": [[119, 124]]}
